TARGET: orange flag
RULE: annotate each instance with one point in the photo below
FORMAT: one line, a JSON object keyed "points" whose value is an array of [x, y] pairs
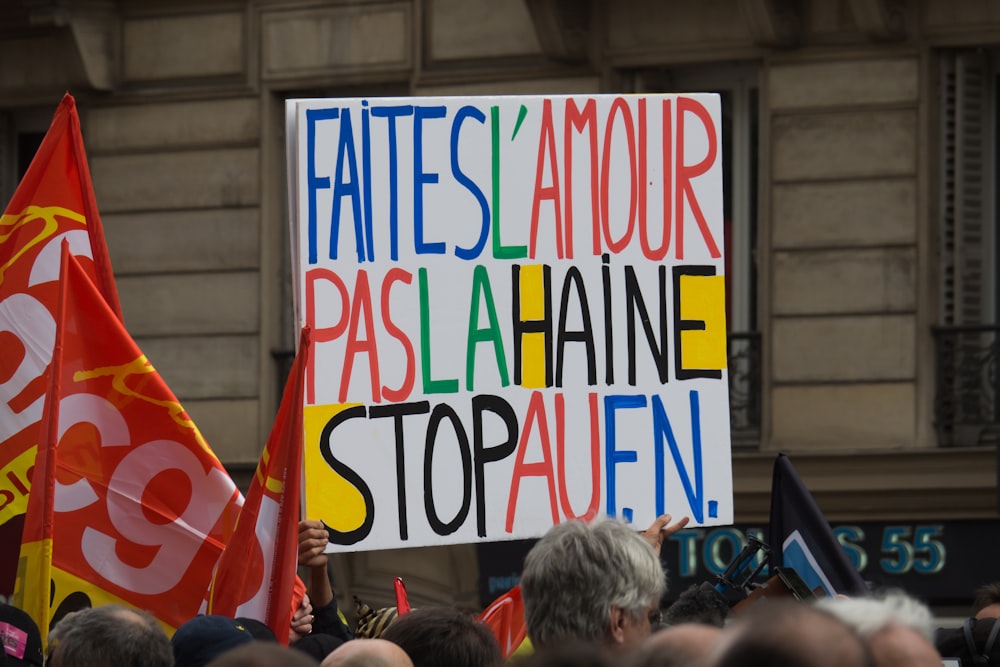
{"points": [[54, 203], [256, 573], [135, 507], [505, 618]]}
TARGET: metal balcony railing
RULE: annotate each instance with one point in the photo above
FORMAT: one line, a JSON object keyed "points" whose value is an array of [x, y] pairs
{"points": [[966, 407], [744, 388]]}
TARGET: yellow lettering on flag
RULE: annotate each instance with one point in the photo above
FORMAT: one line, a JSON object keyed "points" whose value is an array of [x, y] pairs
{"points": [[47, 214], [273, 485], [141, 366], [14, 481], [703, 298]]}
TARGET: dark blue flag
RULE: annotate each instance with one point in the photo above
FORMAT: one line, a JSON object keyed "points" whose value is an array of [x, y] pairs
{"points": [[801, 538]]}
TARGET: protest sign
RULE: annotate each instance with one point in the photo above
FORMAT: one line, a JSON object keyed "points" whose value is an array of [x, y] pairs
{"points": [[518, 313]]}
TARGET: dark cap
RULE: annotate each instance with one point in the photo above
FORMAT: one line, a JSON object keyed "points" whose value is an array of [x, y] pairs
{"points": [[258, 629], [203, 638], [22, 642]]}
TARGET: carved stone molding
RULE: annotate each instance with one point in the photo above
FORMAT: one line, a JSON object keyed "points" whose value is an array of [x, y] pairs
{"points": [[773, 22], [563, 28], [939, 483], [882, 20], [92, 28]]}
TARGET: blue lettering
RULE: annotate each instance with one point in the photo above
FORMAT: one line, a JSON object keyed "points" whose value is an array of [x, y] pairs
{"points": [[613, 456], [314, 183], [712, 550], [366, 174], [470, 185], [391, 113], [687, 561], [661, 428], [421, 178], [341, 188]]}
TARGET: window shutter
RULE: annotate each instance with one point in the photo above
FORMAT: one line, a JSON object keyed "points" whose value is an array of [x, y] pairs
{"points": [[965, 239], [965, 408]]}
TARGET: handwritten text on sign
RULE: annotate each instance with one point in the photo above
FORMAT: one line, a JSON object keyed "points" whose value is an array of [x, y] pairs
{"points": [[518, 313]]}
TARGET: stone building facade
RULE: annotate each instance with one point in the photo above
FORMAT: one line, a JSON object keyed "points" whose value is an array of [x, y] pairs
{"points": [[862, 142]]}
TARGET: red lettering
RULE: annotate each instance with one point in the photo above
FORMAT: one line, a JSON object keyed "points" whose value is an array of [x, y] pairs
{"points": [[543, 468], [655, 254], [579, 121], [546, 143], [619, 106], [595, 455], [326, 334], [686, 172], [395, 395], [362, 304]]}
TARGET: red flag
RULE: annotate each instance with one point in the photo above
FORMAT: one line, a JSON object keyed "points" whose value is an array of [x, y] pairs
{"points": [[402, 600], [505, 618], [256, 573], [140, 507], [54, 202]]}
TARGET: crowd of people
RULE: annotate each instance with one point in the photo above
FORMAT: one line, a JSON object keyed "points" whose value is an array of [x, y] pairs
{"points": [[591, 594]]}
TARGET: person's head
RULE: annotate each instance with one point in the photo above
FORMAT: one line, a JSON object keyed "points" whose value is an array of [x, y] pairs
{"points": [[263, 653], [698, 604], [596, 582], [870, 614], [22, 642], [897, 645], [566, 654], [444, 637], [684, 645], [203, 638], [109, 636], [367, 653], [780, 633], [977, 642], [897, 628], [318, 645], [987, 601], [258, 629]]}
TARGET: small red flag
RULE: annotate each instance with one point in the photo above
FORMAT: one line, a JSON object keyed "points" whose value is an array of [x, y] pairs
{"points": [[256, 573], [505, 618]]}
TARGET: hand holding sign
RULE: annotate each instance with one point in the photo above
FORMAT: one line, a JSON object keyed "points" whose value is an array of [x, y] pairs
{"points": [[661, 529], [312, 543]]}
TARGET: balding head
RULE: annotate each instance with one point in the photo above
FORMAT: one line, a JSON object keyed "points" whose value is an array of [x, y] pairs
{"points": [[790, 634], [683, 644], [367, 653], [896, 645]]}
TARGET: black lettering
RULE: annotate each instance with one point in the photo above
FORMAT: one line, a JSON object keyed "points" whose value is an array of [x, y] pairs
{"points": [[483, 455], [397, 411], [543, 326], [573, 282], [680, 325], [637, 306], [443, 411], [360, 533]]}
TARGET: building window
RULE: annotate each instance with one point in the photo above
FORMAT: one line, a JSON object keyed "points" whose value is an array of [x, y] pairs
{"points": [[21, 133], [966, 410], [738, 87]]}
